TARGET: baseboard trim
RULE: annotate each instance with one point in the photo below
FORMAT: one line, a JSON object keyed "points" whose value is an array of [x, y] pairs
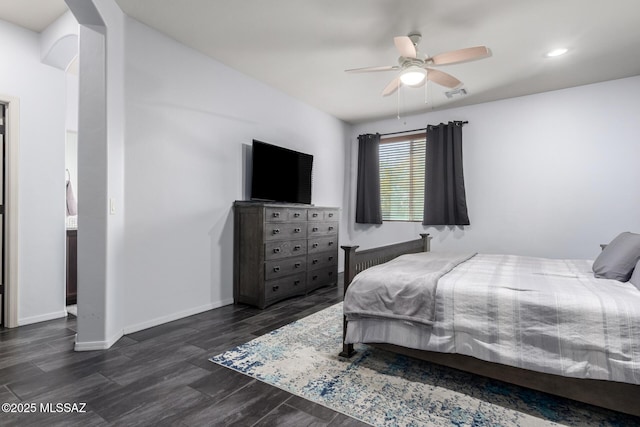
{"points": [[42, 318], [97, 345], [104, 345], [175, 316]]}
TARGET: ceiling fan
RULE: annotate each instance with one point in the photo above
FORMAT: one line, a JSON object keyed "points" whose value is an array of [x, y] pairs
{"points": [[414, 66]]}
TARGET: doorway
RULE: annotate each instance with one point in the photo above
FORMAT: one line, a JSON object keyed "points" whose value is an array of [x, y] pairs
{"points": [[9, 141], [71, 171], [2, 245]]}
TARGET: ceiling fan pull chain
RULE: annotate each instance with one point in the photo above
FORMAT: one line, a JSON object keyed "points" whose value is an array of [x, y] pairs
{"points": [[398, 97], [425, 93]]}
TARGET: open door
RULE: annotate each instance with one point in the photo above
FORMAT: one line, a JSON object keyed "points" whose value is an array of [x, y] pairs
{"points": [[2, 243]]}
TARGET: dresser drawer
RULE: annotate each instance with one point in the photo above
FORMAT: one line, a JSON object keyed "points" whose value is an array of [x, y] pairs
{"points": [[322, 260], [322, 244], [322, 215], [284, 249], [315, 215], [283, 231], [331, 215], [322, 277], [284, 267], [284, 214], [321, 229], [275, 290]]}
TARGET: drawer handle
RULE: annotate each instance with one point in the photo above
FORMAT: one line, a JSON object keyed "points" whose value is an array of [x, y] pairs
{"points": [[276, 250], [331, 243], [331, 273], [276, 269], [296, 283], [315, 215], [315, 245], [315, 261], [276, 230], [330, 258], [276, 214], [297, 230], [276, 287], [314, 278], [297, 265], [314, 229], [330, 215], [296, 247], [330, 228], [296, 215]]}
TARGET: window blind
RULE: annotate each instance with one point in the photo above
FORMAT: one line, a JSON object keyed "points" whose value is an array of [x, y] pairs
{"points": [[402, 178]]}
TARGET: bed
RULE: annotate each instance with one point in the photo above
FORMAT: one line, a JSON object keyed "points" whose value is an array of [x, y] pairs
{"points": [[494, 315]]}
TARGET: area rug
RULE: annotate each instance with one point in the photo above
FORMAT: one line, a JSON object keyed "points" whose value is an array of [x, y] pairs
{"points": [[385, 389]]}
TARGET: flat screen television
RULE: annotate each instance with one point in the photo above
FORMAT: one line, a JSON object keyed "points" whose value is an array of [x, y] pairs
{"points": [[280, 174]]}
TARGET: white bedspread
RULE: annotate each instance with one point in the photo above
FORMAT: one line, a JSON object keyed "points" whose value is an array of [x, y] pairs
{"points": [[403, 288], [540, 314]]}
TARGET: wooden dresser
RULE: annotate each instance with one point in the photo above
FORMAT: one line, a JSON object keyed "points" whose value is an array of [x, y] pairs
{"points": [[282, 250]]}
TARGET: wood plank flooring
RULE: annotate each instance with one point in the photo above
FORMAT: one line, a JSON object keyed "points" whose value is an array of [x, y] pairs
{"points": [[156, 377]]}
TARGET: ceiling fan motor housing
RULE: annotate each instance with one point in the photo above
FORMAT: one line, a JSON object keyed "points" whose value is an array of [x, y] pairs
{"points": [[408, 62], [415, 38]]}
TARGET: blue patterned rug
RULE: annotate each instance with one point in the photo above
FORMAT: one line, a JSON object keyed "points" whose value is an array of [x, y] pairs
{"points": [[386, 389]]}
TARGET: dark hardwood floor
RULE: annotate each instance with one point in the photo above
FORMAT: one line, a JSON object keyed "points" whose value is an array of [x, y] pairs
{"points": [[159, 376]]}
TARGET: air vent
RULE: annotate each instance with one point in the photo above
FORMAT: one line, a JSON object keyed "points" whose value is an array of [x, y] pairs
{"points": [[457, 92]]}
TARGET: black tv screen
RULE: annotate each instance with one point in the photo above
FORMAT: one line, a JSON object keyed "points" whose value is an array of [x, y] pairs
{"points": [[280, 174]]}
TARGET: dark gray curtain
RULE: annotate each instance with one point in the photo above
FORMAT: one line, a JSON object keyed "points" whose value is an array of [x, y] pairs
{"points": [[368, 210], [445, 202]]}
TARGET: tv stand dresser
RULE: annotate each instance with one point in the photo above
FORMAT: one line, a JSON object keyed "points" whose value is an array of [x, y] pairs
{"points": [[282, 250]]}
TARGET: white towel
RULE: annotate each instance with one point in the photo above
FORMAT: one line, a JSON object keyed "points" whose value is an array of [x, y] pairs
{"points": [[72, 206]]}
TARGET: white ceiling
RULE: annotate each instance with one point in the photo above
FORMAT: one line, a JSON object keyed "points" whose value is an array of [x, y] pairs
{"points": [[303, 47], [35, 15]]}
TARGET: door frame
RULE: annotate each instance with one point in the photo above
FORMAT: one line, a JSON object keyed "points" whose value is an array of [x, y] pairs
{"points": [[12, 135]]}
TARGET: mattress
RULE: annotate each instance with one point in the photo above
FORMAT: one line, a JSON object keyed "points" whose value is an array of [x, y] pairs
{"points": [[539, 314]]}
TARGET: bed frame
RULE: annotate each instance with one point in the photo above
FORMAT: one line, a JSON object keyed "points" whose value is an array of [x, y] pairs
{"points": [[622, 397]]}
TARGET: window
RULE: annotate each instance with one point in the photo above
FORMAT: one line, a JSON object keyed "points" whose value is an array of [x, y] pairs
{"points": [[402, 177]]}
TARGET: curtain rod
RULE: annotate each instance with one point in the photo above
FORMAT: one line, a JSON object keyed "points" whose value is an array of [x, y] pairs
{"points": [[415, 130]]}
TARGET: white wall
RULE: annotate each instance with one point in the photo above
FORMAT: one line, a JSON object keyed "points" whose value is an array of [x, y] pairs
{"points": [[552, 174], [59, 42], [188, 121], [41, 89], [71, 115]]}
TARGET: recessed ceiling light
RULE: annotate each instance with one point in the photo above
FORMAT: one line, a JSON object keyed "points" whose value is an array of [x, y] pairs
{"points": [[556, 52]]}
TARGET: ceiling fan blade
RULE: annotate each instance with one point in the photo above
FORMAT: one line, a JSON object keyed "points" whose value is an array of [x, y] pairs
{"points": [[442, 78], [391, 87], [405, 46], [370, 69], [461, 55]]}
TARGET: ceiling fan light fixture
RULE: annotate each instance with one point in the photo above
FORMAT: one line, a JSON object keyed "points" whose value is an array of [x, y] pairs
{"points": [[413, 76]]}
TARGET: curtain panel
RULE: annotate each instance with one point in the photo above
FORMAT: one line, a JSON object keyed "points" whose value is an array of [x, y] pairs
{"points": [[445, 201], [368, 208]]}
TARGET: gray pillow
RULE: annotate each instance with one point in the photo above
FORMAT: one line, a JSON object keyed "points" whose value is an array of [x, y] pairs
{"points": [[635, 277], [618, 259]]}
